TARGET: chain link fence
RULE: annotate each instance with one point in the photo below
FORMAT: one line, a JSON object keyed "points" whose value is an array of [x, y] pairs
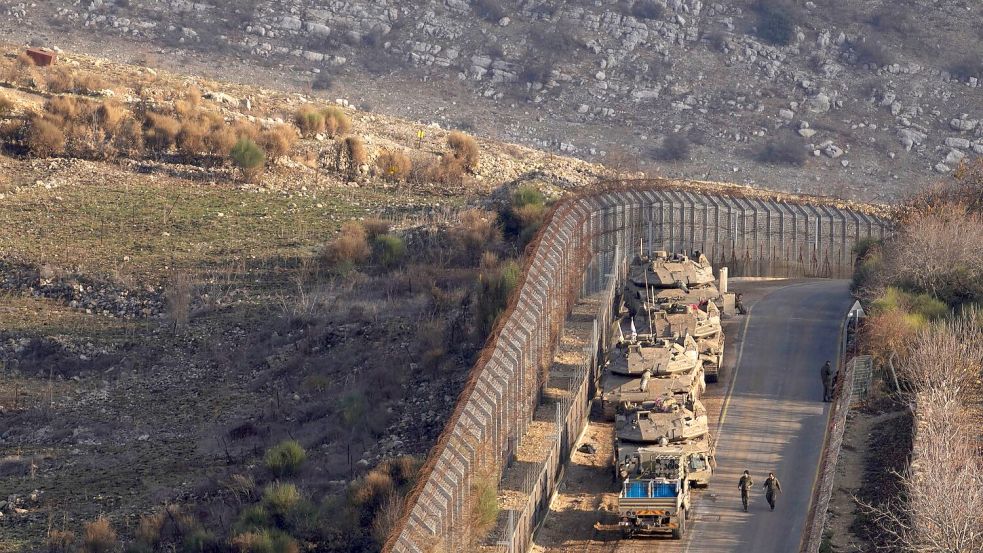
{"points": [[581, 249]]}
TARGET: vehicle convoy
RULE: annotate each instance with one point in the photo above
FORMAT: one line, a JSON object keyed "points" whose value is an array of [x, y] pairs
{"points": [[655, 494], [670, 345]]}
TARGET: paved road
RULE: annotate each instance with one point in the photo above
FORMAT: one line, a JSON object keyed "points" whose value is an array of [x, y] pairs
{"points": [[774, 421]]}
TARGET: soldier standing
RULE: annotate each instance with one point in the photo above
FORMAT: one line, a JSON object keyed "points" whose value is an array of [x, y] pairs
{"points": [[772, 488], [827, 375], [745, 486]]}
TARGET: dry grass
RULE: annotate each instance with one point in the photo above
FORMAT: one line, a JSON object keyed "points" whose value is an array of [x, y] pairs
{"points": [[394, 165], [160, 133], [351, 246], [350, 156], [336, 121], [278, 141], [464, 149], [61, 541], [309, 121], [44, 138], [6, 105], [190, 140], [100, 537]]}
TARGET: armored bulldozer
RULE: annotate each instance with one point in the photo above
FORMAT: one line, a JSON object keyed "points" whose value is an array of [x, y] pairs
{"points": [[666, 419], [697, 455], [655, 495]]}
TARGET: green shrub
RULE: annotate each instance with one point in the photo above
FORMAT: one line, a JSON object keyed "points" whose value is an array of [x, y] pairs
{"points": [[494, 292], [390, 250], [921, 307], [484, 509], [248, 157], [253, 517], [199, 540], [280, 499], [527, 194], [285, 458]]}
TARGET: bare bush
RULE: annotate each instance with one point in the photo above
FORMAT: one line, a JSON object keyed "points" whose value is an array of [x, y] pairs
{"points": [[394, 165], [190, 140], [110, 115], [350, 247], [350, 155], [309, 121], [99, 536], [336, 121], [939, 253], [946, 357], [474, 232], [464, 148], [375, 226], [278, 141], [60, 541], [44, 138], [220, 141], [386, 516], [160, 132], [6, 105]]}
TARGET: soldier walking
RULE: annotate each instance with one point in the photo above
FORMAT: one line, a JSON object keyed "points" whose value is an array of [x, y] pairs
{"points": [[745, 486], [772, 488], [827, 375]]}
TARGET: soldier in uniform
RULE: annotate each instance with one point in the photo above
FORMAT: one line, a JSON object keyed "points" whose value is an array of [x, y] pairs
{"points": [[772, 488], [827, 375], [745, 486]]}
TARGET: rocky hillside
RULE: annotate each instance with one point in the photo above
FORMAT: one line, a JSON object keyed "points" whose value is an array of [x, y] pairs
{"points": [[826, 96]]}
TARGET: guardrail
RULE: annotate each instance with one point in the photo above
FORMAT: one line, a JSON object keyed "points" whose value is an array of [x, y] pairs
{"points": [[754, 233]]}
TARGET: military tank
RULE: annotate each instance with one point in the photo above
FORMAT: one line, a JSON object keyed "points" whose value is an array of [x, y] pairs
{"points": [[669, 278], [658, 356], [667, 418], [623, 394]]}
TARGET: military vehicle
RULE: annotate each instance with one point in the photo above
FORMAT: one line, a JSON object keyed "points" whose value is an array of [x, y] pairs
{"points": [[698, 457], [666, 419], [655, 495], [669, 278], [624, 394], [658, 356]]}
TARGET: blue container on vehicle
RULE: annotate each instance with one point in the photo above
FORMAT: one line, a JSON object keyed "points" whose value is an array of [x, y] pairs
{"points": [[636, 490]]}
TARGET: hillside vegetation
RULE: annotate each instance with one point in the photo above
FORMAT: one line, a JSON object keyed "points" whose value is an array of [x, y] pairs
{"points": [[235, 319]]}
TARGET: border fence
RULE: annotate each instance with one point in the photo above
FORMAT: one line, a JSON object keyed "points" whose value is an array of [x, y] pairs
{"points": [[580, 250]]}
